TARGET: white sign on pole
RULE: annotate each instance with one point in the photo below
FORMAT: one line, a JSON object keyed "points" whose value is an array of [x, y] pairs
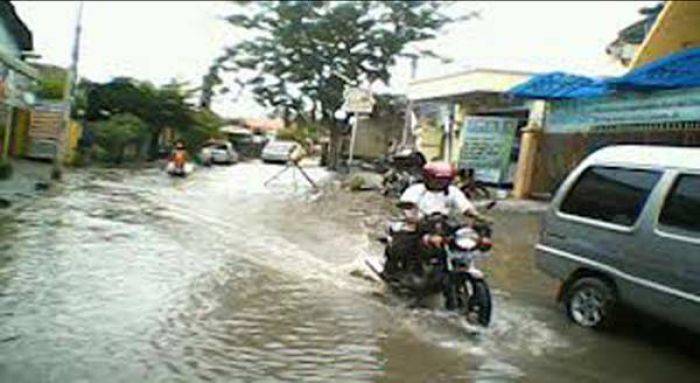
{"points": [[358, 100]]}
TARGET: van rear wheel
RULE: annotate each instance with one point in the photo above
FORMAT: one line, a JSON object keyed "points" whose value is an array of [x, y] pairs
{"points": [[590, 303]]}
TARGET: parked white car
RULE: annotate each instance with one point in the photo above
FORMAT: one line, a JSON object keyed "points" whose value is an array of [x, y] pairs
{"points": [[218, 152], [279, 151]]}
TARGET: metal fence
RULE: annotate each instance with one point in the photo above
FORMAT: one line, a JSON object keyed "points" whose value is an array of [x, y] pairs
{"points": [[559, 153]]}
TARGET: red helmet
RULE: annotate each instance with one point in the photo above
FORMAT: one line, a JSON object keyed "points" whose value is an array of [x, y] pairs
{"points": [[438, 175]]}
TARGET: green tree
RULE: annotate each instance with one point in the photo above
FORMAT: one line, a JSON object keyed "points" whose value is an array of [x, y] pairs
{"points": [[158, 107], [52, 82], [301, 48], [118, 133], [205, 126]]}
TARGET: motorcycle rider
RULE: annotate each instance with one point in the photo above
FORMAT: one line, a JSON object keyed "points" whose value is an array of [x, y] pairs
{"points": [[180, 155], [436, 194]]}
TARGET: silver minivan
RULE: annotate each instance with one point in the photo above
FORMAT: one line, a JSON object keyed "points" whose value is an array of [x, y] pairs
{"points": [[624, 228]]}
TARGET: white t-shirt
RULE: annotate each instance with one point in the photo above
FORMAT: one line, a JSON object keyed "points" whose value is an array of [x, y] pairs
{"points": [[428, 201]]}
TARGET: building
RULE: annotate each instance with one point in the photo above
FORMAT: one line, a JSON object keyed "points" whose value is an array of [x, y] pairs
{"points": [[38, 138], [656, 102], [377, 132], [675, 29], [264, 126], [630, 38], [16, 76], [467, 118]]}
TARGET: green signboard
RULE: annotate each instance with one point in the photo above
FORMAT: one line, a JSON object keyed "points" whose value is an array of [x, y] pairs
{"points": [[570, 116], [487, 143]]}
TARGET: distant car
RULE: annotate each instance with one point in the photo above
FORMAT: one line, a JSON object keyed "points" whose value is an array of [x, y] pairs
{"points": [[218, 152], [278, 151]]}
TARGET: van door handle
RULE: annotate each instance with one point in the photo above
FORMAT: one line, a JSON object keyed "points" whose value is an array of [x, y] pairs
{"points": [[556, 235]]}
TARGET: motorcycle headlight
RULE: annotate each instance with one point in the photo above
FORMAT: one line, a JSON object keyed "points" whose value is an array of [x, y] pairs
{"points": [[465, 243], [466, 238]]}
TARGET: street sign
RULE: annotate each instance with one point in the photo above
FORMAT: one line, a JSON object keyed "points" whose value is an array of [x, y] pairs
{"points": [[487, 146], [358, 100]]}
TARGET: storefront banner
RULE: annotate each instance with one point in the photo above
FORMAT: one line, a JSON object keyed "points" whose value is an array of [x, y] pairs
{"points": [[486, 147], [572, 116]]}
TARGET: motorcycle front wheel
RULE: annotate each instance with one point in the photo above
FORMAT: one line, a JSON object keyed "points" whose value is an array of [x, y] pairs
{"points": [[477, 296]]}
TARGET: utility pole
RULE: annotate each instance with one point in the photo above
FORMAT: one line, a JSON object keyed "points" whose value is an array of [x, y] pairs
{"points": [[9, 81], [408, 120], [68, 93]]}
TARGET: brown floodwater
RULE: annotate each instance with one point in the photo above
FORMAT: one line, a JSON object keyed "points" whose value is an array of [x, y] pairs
{"points": [[122, 276]]}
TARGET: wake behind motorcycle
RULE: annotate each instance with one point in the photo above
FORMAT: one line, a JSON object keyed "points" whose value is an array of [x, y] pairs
{"points": [[438, 256], [179, 170]]}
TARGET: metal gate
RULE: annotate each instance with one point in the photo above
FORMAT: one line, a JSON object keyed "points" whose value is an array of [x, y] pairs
{"points": [[559, 153]]}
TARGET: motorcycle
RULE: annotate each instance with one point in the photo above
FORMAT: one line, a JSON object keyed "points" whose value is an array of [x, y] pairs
{"points": [[472, 188], [178, 166], [395, 182], [177, 170], [402, 170], [448, 268]]}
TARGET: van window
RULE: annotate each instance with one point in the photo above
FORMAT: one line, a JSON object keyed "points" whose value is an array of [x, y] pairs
{"points": [[682, 206], [614, 195]]}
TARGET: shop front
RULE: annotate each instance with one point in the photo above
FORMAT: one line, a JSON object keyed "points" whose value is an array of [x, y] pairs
{"points": [[656, 104], [576, 128], [470, 121]]}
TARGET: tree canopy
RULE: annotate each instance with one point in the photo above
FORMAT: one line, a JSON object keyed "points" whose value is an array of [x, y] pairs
{"points": [[302, 49], [117, 133], [148, 107], [158, 107]]}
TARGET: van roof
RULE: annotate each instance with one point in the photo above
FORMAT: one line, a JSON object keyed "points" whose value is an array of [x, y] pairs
{"points": [[648, 155]]}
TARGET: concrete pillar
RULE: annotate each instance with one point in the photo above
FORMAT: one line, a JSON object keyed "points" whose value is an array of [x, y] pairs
{"points": [[7, 132], [522, 185]]}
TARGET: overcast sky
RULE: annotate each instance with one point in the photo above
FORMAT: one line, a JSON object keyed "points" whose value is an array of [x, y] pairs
{"points": [[158, 41]]}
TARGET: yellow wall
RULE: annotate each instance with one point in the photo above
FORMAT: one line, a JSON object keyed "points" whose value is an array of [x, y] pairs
{"points": [[675, 29], [429, 141], [20, 131], [75, 131]]}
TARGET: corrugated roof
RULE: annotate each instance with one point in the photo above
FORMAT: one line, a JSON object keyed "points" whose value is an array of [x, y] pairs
{"points": [[20, 32], [676, 71]]}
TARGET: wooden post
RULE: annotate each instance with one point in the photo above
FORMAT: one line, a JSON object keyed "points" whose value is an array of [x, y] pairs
{"points": [[522, 187], [353, 137]]}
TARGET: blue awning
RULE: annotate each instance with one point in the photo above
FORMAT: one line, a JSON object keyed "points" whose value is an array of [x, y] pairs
{"points": [[679, 70]]}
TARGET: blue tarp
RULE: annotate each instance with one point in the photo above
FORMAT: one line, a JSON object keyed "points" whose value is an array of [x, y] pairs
{"points": [[556, 85], [680, 70]]}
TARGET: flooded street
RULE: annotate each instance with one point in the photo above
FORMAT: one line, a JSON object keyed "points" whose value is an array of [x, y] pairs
{"points": [[132, 276]]}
